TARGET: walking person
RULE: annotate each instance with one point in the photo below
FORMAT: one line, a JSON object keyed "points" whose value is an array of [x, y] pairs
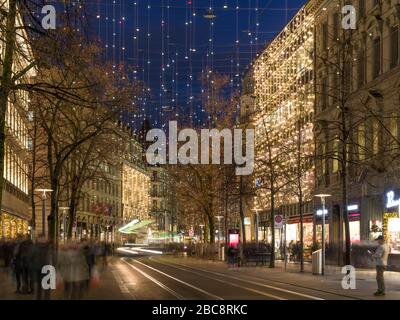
{"points": [[42, 255], [17, 264], [381, 259]]}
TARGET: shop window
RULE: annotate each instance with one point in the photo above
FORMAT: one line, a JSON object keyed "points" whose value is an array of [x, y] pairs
{"points": [[391, 231]]}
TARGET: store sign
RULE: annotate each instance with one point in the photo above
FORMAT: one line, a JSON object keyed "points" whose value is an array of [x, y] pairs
{"points": [[319, 212], [391, 202], [352, 207]]}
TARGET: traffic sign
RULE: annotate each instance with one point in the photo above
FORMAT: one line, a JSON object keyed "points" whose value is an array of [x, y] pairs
{"points": [[278, 221]]}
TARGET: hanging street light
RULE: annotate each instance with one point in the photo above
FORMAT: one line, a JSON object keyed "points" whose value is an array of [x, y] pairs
{"points": [[210, 15]]}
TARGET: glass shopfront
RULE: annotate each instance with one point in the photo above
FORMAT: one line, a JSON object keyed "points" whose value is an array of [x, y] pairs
{"points": [[293, 230], [391, 221], [11, 226], [391, 231], [318, 232], [354, 222], [355, 231]]}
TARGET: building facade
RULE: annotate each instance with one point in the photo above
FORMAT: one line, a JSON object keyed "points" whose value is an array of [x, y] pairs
{"points": [[136, 193], [283, 119], [163, 205], [357, 74], [15, 217]]}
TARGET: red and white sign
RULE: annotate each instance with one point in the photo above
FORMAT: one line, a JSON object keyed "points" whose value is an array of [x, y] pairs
{"points": [[278, 221]]}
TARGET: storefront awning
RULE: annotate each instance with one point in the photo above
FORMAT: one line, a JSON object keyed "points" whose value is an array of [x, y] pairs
{"points": [[306, 219], [135, 226]]}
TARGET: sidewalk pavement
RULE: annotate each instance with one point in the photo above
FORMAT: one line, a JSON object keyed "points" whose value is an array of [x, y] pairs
{"points": [[331, 282], [107, 287]]}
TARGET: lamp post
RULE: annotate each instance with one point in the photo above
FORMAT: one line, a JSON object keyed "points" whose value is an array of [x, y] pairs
{"points": [[44, 197], [219, 218], [323, 198], [257, 222], [64, 212], [202, 232]]}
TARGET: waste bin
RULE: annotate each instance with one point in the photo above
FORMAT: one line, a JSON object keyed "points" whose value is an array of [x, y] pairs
{"points": [[222, 253], [317, 262]]}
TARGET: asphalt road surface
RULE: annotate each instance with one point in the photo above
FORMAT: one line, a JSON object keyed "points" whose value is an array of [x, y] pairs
{"points": [[150, 276]]}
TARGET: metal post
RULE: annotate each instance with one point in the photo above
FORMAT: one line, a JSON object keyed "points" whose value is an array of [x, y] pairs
{"points": [[44, 214], [257, 227], [65, 227], [323, 236]]}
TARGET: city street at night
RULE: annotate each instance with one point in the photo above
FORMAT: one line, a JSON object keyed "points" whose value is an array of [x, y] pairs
{"points": [[194, 158]]}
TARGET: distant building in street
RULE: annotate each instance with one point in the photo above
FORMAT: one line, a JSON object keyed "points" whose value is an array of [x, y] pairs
{"points": [[136, 191], [163, 205], [116, 195]]}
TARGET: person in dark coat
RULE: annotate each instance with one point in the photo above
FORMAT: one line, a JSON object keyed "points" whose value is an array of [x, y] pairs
{"points": [[16, 264], [26, 249]]}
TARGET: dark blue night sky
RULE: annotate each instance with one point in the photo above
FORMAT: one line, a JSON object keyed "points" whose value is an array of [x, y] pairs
{"points": [[169, 42]]}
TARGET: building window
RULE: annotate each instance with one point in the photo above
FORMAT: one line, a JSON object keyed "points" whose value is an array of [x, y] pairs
{"points": [[377, 57], [375, 137], [394, 131], [335, 19], [335, 161], [323, 159], [325, 35], [361, 142], [361, 68], [324, 93], [394, 44], [361, 8]]}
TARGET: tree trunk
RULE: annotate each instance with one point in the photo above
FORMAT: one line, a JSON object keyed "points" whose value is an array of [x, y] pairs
{"points": [[33, 179], [344, 184], [272, 223], [211, 226], [6, 81], [346, 216]]}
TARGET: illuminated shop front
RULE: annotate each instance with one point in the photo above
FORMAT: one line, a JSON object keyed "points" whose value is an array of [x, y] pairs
{"points": [[293, 230], [391, 222], [354, 222], [11, 226]]}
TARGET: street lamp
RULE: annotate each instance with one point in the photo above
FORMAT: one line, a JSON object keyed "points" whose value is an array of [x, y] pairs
{"points": [[323, 198], [202, 232], [44, 197], [64, 212], [219, 218]]}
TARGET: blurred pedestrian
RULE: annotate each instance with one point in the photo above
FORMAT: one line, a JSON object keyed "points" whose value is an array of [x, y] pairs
{"points": [[74, 271], [16, 263], [42, 255], [26, 254]]}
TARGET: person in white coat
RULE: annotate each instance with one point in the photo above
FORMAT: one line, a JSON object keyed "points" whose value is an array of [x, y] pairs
{"points": [[381, 256]]}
